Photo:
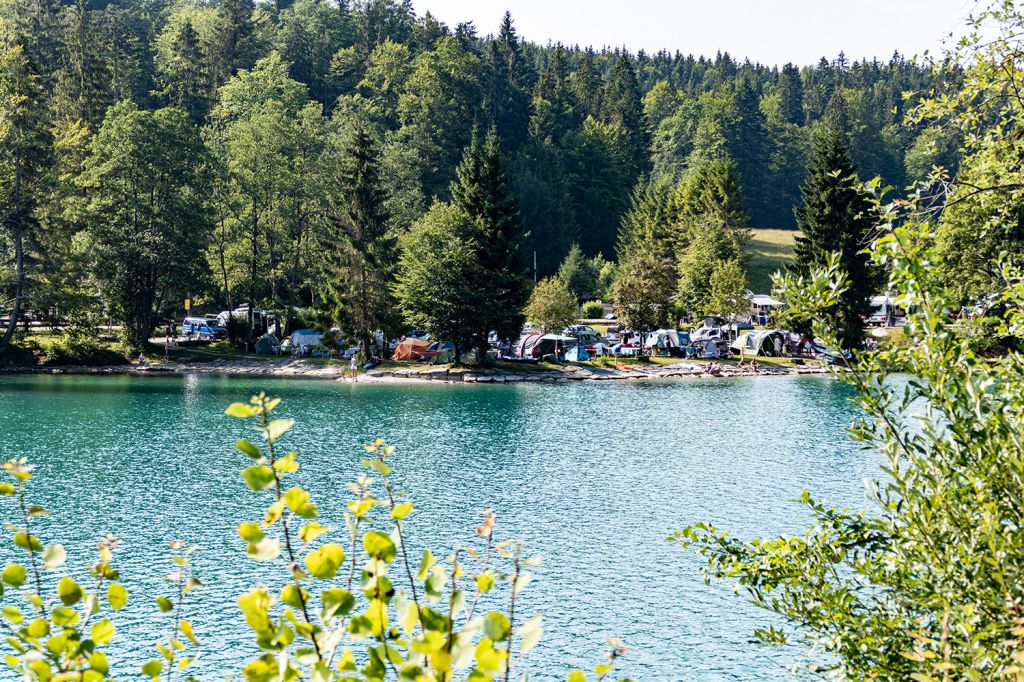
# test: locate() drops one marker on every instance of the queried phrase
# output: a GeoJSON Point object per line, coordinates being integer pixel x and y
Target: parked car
{"type": "Point", "coordinates": [203, 328]}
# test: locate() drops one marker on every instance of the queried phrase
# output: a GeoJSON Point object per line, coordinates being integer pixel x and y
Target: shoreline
{"type": "Point", "coordinates": [299, 369]}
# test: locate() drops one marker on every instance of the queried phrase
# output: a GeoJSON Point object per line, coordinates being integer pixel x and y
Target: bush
{"type": "Point", "coordinates": [78, 345]}
{"type": "Point", "coordinates": [925, 585]}
{"type": "Point", "coordinates": [593, 310]}
{"type": "Point", "coordinates": [412, 620]}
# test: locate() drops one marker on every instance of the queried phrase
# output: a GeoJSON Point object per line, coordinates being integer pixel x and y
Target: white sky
{"type": "Point", "coordinates": [769, 31]}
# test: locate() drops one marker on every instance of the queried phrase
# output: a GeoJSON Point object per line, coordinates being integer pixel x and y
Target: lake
{"type": "Point", "coordinates": [593, 476]}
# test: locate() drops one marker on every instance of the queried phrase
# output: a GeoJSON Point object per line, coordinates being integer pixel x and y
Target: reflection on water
{"type": "Point", "coordinates": [592, 476]}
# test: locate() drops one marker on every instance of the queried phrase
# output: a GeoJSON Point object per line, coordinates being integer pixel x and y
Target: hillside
{"type": "Point", "coordinates": [769, 250]}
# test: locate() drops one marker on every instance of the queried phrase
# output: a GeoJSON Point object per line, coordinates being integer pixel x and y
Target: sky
{"type": "Point", "coordinates": [767, 31]}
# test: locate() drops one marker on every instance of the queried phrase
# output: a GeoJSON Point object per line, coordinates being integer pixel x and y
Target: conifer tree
{"type": "Point", "coordinates": [791, 95]}
{"type": "Point", "coordinates": [235, 41]}
{"type": "Point", "coordinates": [24, 154]}
{"type": "Point", "coordinates": [184, 80]}
{"type": "Point", "coordinates": [749, 149]}
{"type": "Point", "coordinates": [836, 216]}
{"type": "Point", "coordinates": [82, 91]}
{"type": "Point", "coordinates": [587, 85]}
{"type": "Point", "coordinates": [579, 274]}
{"type": "Point", "coordinates": [508, 81]}
{"type": "Point", "coordinates": [482, 190]}
{"type": "Point", "coordinates": [623, 106]}
{"type": "Point", "coordinates": [359, 252]}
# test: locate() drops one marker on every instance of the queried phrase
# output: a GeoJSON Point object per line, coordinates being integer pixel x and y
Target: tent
{"type": "Point", "coordinates": [766, 342]}
{"type": "Point", "coordinates": [539, 345]}
{"type": "Point", "coordinates": [666, 338]}
{"type": "Point", "coordinates": [410, 349]}
{"type": "Point", "coordinates": [305, 338]}
{"type": "Point", "coordinates": [706, 348]}
{"type": "Point", "coordinates": [577, 354]}
{"type": "Point", "coordinates": [267, 345]}
{"type": "Point", "coordinates": [764, 301]}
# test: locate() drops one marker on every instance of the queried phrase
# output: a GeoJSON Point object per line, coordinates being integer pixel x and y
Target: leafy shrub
{"type": "Point", "coordinates": [238, 327]}
{"type": "Point", "coordinates": [925, 586]}
{"type": "Point", "coordinates": [77, 346]}
{"type": "Point", "coordinates": [593, 310]}
{"type": "Point", "coordinates": [414, 616]}
{"type": "Point", "coordinates": [984, 335]}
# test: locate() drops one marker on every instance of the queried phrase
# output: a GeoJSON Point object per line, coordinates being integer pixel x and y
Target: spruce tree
{"type": "Point", "coordinates": [587, 84]}
{"type": "Point", "coordinates": [791, 95]}
{"type": "Point", "coordinates": [749, 149]}
{"type": "Point", "coordinates": [358, 249]}
{"type": "Point", "coordinates": [482, 190]}
{"type": "Point", "coordinates": [836, 216]}
{"type": "Point", "coordinates": [24, 155]}
{"type": "Point", "coordinates": [183, 77]}
{"type": "Point", "coordinates": [623, 107]}
{"type": "Point", "coordinates": [235, 41]}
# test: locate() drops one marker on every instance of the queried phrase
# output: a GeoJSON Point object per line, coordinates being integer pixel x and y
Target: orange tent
{"type": "Point", "coordinates": [410, 349]}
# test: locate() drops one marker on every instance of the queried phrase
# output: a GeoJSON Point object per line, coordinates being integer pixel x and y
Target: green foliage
{"type": "Point", "coordinates": [711, 273]}
{"type": "Point", "coordinates": [836, 216]}
{"type": "Point", "coordinates": [923, 585]}
{"type": "Point", "coordinates": [593, 310]}
{"type": "Point", "coordinates": [147, 179]}
{"type": "Point", "coordinates": [552, 306]}
{"type": "Point", "coordinates": [402, 618]}
{"type": "Point", "coordinates": [440, 277]}
{"type": "Point", "coordinates": [579, 274]}
{"type": "Point", "coordinates": [641, 294]}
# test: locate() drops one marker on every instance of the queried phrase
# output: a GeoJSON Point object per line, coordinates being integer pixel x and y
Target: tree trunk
{"type": "Point", "coordinates": [19, 291]}
{"type": "Point", "coordinates": [19, 254]}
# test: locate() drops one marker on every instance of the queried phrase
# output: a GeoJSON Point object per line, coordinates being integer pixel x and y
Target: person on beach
{"type": "Point", "coordinates": [354, 365]}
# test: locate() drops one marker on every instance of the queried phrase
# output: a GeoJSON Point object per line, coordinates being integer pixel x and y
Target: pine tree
{"type": "Point", "coordinates": [749, 149]}
{"type": "Point", "coordinates": [579, 274]}
{"type": "Point", "coordinates": [235, 41]}
{"type": "Point", "coordinates": [24, 155]}
{"type": "Point", "coordinates": [183, 78]}
{"type": "Point", "coordinates": [82, 91]}
{"type": "Point", "coordinates": [791, 95]}
{"type": "Point", "coordinates": [508, 80]}
{"type": "Point", "coordinates": [482, 190]}
{"type": "Point", "coordinates": [587, 85]}
{"type": "Point", "coordinates": [623, 107]}
{"type": "Point", "coordinates": [836, 216]}
{"type": "Point", "coordinates": [359, 252]}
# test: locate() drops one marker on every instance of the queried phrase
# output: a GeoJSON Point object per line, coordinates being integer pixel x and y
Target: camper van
{"type": "Point", "coordinates": [203, 328]}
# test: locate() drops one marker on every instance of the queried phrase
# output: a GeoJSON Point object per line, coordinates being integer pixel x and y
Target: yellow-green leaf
{"type": "Point", "coordinates": [14, 575]}
{"type": "Point", "coordinates": [241, 410]}
{"type": "Point", "coordinates": [117, 596]}
{"type": "Point", "coordinates": [324, 561]}
{"type": "Point", "coordinates": [103, 632]}
{"type": "Point", "coordinates": [401, 510]}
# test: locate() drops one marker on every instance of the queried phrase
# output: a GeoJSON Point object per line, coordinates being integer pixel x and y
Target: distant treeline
{"type": "Point", "coordinates": [270, 94]}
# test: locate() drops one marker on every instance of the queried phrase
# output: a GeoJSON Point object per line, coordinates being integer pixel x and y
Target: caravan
{"type": "Point", "coordinates": [204, 328]}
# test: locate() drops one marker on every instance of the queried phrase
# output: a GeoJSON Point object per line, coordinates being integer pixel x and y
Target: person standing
{"type": "Point", "coordinates": [354, 365]}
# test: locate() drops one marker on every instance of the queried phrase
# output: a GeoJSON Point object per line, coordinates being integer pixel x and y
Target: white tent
{"type": "Point", "coordinates": [764, 301]}
{"type": "Point", "coordinates": [305, 338]}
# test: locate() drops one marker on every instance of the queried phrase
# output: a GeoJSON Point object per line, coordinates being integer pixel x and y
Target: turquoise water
{"type": "Point", "coordinates": [591, 475]}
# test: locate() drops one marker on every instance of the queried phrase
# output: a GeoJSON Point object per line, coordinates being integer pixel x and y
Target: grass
{"type": "Point", "coordinates": [769, 250]}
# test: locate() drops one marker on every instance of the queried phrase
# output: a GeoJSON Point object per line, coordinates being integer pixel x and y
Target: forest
{"type": "Point", "coordinates": [323, 155]}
